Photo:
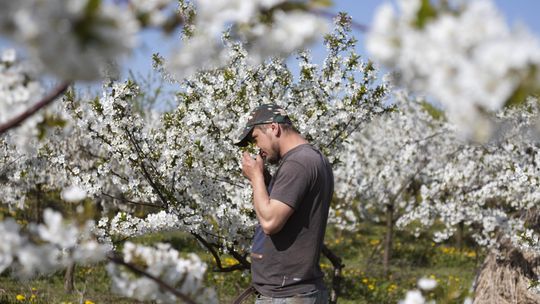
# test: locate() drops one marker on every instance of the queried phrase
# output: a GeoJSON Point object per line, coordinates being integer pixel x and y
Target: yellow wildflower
{"type": "Point", "coordinates": [229, 261]}
{"type": "Point", "coordinates": [88, 302]}
{"type": "Point", "coordinates": [20, 297]}
{"type": "Point", "coordinates": [374, 242]}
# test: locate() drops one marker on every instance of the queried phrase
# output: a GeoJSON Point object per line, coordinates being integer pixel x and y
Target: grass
{"type": "Point", "coordinates": [363, 279]}
{"type": "Point", "coordinates": [91, 283]}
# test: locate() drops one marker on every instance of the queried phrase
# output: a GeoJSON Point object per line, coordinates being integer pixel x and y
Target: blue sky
{"type": "Point", "coordinates": [525, 12]}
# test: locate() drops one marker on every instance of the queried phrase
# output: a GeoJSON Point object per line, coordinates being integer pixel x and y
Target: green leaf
{"type": "Point", "coordinates": [321, 3]}
{"type": "Point", "coordinates": [433, 111]}
{"type": "Point", "coordinates": [425, 13]}
{"type": "Point", "coordinates": [526, 88]}
{"type": "Point", "coordinates": [92, 6]}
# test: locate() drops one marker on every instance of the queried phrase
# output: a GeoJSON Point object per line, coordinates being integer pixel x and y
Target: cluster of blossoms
{"type": "Point", "coordinates": [25, 164]}
{"type": "Point", "coordinates": [18, 89]}
{"type": "Point", "coordinates": [59, 245]}
{"type": "Point", "coordinates": [465, 57]}
{"type": "Point", "coordinates": [71, 39]}
{"type": "Point", "coordinates": [55, 244]}
{"type": "Point", "coordinates": [270, 28]}
{"type": "Point", "coordinates": [184, 274]}
{"type": "Point", "coordinates": [124, 225]}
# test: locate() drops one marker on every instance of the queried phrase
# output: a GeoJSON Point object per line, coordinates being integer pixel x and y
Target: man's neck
{"type": "Point", "coordinates": [290, 142]}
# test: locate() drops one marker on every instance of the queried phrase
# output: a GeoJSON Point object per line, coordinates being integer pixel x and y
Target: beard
{"type": "Point", "coordinates": [273, 159]}
{"type": "Point", "coordinates": [272, 156]}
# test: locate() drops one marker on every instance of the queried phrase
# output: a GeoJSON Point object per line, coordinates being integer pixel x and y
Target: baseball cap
{"type": "Point", "coordinates": [263, 114]}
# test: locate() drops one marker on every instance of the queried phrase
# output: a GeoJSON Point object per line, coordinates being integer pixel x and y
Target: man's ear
{"type": "Point", "coordinates": [276, 129]}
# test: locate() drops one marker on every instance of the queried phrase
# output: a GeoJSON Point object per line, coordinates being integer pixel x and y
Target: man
{"type": "Point", "coordinates": [292, 209]}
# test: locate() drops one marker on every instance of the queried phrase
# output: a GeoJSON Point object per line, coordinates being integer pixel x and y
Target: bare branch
{"type": "Point", "coordinates": [55, 93]}
{"type": "Point", "coordinates": [243, 263]}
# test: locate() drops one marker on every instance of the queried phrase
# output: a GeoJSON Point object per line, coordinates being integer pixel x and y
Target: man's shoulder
{"type": "Point", "coordinates": [307, 156]}
{"type": "Point", "coordinates": [304, 151]}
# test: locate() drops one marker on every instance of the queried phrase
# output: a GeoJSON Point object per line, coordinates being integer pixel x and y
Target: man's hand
{"type": "Point", "coordinates": [252, 168]}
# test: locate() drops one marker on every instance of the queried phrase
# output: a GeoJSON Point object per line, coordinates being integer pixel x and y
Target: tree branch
{"type": "Point", "coordinates": [163, 285]}
{"type": "Point", "coordinates": [336, 275]}
{"type": "Point", "coordinates": [243, 264]}
{"type": "Point", "coordinates": [48, 99]}
{"type": "Point", "coordinates": [5, 167]}
{"type": "Point", "coordinates": [146, 174]}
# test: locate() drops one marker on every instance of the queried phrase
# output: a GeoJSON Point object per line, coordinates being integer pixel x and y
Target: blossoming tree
{"type": "Point", "coordinates": [186, 164]}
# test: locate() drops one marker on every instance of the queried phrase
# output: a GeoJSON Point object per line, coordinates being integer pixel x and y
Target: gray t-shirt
{"type": "Point", "coordinates": [287, 263]}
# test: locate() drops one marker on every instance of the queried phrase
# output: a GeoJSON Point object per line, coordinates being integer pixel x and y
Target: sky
{"type": "Point", "coordinates": [516, 12]}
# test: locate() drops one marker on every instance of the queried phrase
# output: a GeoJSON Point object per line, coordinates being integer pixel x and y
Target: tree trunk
{"type": "Point", "coordinates": [459, 236]}
{"type": "Point", "coordinates": [68, 278]}
{"type": "Point", "coordinates": [388, 238]}
{"type": "Point", "coordinates": [507, 277]}
{"type": "Point", "coordinates": [39, 215]}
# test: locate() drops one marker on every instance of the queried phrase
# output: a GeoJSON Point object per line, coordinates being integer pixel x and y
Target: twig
{"type": "Point", "coordinates": [146, 174]}
{"type": "Point", "coordinates": [6, 166]}
{"type": "Point", "coordinates": [358, 26]}
{"type": "Point", "coordinates": [14, 122]}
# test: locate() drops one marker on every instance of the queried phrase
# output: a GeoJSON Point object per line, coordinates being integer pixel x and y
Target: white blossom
{"type": "Point", "coordinates": [413, 297]}
{"type": "Point", "coordinates": [55, 232]}
{"type": "Point", "coordinates": [73, 193]}
{"type": "Point", "coordinates": [427, 284]}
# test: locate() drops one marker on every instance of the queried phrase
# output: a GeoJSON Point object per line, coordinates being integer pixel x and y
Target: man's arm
{"type": "Point", "coordinates": [272, 214]}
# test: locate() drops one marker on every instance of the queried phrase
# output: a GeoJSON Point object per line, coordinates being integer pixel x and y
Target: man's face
{"type": "Point", "coordinates": [266, 141]}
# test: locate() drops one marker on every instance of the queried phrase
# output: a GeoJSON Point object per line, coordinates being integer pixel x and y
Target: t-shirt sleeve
{"type": "Point", "coordinates": [291, 184]}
